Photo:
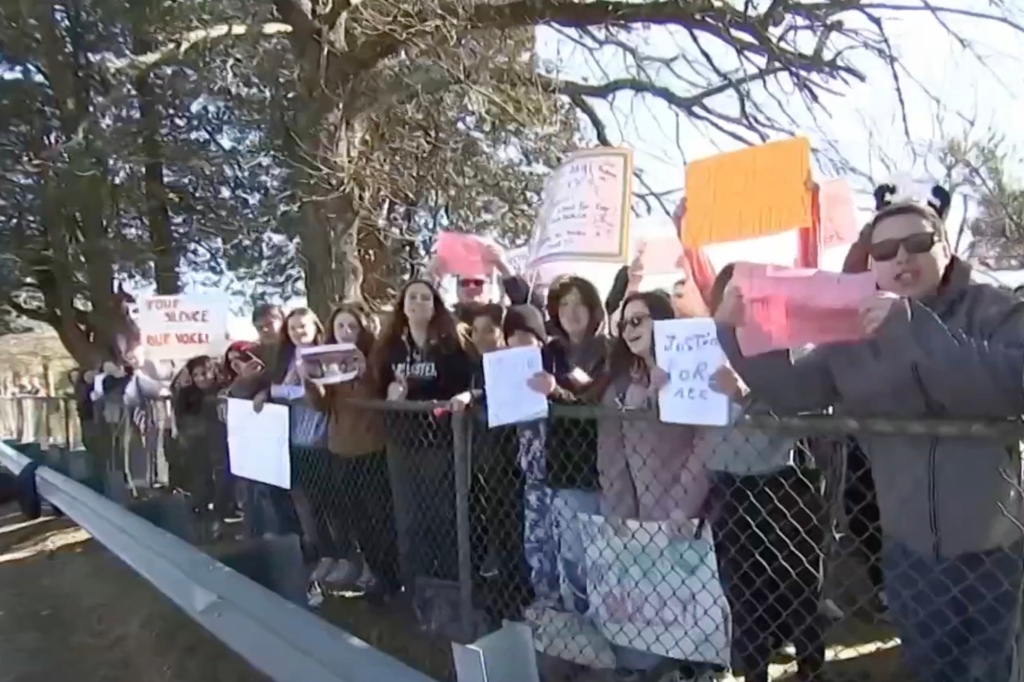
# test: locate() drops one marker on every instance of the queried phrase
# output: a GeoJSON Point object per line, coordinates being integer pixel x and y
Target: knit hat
{"type": "Point", "coordinates": [524, 318]}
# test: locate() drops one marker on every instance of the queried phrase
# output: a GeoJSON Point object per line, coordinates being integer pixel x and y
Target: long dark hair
{"type": "Point", "coordinates": [189, 399]}
{"type": "Point", "coordinates": [286, 349]}
{"type": "Point", "coordinates": [622, 362]}
{"type": "Point", "coordinates": [365, 338]}
{"type": "Point", "coordinates": [562, 287]}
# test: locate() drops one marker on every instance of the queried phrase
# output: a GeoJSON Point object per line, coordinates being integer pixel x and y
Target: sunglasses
{"type": "Point", "coordinates": [633, 322]}
{"type": "Point", "coordinates": [887, 249]}
{"type": "Point", "coordinates": [471, 282]}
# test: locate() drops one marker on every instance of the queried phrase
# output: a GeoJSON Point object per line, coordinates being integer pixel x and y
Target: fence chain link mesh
{"type": "Point", "coordinates": [628, 545]}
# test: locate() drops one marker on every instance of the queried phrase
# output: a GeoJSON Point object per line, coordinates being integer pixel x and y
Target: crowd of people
{"type": "Point", "coordinates": [373, 494]}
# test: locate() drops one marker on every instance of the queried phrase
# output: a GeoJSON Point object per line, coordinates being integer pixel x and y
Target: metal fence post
{"type": "Point", "coordinates": [461, 425]}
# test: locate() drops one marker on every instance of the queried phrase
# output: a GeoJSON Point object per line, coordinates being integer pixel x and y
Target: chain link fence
{"type": "Point", "coordinates": [645, 550]}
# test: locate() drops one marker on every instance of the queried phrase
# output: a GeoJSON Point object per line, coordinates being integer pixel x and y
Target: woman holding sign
{"type": "Point", "coordinates": [647, 468]}
{"type": "Point", "coordinates": [356, 492]}
{"type": "Point", "coordinates": [936, 344]}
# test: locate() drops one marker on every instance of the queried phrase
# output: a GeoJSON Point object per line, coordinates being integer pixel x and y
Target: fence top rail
{"type": "Point", "coordinates": [285, 642]}
{"type": "Point", "coordinates": [797, 425]}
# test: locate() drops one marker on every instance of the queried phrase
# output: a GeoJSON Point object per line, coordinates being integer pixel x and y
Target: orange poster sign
{"type": "Point", "coordinates": [750, 193]}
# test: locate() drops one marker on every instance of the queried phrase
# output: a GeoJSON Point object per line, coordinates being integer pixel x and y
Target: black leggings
{"type": "Point", "coordinates": [862, 513]}
{"type": "Point", "coordinates": [318, 476]}
{"type": "Point", "coordinates": [769, 534]}
{"type": "Point", "coordinates": [364, 487]}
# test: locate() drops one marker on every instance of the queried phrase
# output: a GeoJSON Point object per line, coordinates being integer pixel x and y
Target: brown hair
{"type": "Point", "coordinates": [621, 360]}
{"type": "Point", "coordinates": [441, 330]}
{"type": "Point", "coordinates": [286, 349]}
{"type": "Point", "coordinates": [562, 287]}
{"type": "Point", "coordinates": [365, 338]}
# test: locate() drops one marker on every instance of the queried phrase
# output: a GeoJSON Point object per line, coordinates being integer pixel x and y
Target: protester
{"type": "Point", "coordinates": [648, 469]}
{"type": "Point", "coordinates": [936, 344]}
{"type": "Point", "coordinates": [767, 516]}
{"type": "Point", "coordinates": [262, 503]}
{"type": "Point", "coordinates": [202, 438]}
{"type": "Point", "coordinates": [420, 357]}
{"type": "Point", "coordinates": [283, 385]}
{"type": "Point", "coordinates": [497, 489]}
{"type": "Point", "coordinates": [354, 492]}
{"type": "Point", "coordinates": [523, 326]}
{"type": "Point", "coordinates": [471, 290]}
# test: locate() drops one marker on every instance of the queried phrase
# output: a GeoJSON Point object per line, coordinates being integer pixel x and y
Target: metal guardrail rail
{"type": "Point", "coordinates": [285, 642]}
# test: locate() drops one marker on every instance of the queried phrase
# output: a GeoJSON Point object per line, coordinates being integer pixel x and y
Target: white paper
{"type": "Point", "coordinates": [258, 443]}
{"type": "Point", "coordinates": [287, 392]}
{"type": "Point", "coordinates": [688, 351]}
{"type": "Point", "coordinates": [585, 210]}
{"type": "Point", "coordinates": [509, 399]}
{"type": "Point", "coordinates": [330, 364]}
{"type": "Point", "coordinates": [184, 325]}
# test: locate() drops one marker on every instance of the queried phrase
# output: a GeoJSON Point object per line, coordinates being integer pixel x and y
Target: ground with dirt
{"type": "Point", "coordinates": [69, 610]}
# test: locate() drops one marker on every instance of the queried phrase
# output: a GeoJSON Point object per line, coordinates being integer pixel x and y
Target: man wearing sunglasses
{"type": "Point", "coordinates": [938, 344]}
{"type": "Point", "coordinates": [472, 290]}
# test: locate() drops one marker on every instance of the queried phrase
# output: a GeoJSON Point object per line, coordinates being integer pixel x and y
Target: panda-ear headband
{"type": "Point", "coordinates": [939, 199]}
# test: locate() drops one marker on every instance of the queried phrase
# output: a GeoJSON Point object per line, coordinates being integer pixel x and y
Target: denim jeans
{"type": "Point", "coordinates": [268, 509]}
{"type": "Point", "coordinates": [956, 617]}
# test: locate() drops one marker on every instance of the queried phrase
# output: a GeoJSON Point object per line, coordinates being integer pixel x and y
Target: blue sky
{"type": "Point", "coordinates": [946, 84]}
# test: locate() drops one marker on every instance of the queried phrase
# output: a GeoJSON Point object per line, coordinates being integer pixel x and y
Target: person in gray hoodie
{"type": "Point", "coordinates": [936, 345]}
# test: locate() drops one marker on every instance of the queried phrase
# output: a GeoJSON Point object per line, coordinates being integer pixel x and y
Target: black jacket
{"type": "Point", "coordinates": [571, 443]}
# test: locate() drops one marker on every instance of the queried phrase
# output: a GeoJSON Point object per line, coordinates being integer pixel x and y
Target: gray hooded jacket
{"type": "Point", "coordinates": [958, 355]}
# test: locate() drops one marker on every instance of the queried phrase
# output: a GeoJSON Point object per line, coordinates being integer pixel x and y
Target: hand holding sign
{"type": "Point", "coordinates": [875, 309]}
{"type": "Point", "coordinates": [332, 364]}
{"type": "Point", "coordinates": [687, 351]}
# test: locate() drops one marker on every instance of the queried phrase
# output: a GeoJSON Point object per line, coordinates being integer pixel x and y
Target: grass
{"type": "Point", "coordinates": [72, 611]}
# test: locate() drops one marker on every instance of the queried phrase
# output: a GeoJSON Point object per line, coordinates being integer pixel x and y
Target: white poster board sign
{"type": "Point", "coordinates": [183, 326]}
{"type": "Point", "coordinates": [586, 207]}
{"type": "Point", "coordinates": [509, 399]}
{"type": "Point", "coordinates": [258, 443]}
{"type": "Point", "coordinates": [688, 351]}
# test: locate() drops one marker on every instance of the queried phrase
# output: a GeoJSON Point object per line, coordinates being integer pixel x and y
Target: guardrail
{"type": "Point", "coordinates": [282, 640]}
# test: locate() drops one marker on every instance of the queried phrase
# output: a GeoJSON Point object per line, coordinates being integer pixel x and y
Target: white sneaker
{"type": "Point", "coordinates": [828, 608]}
{"type": "Point", "coordinates": [342, 572]}
{"type": "Point", "coordinates": [314, 595]}
{"type": "Point", "coordinates": [322, 570]}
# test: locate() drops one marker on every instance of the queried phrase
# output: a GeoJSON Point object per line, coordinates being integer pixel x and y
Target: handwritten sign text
{"type": "Point", "coordinates": [183, 326]}
{"type": "Point", "coordinates": [688, 351]}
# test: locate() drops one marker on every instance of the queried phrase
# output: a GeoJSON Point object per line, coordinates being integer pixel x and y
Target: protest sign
{"type": "Point", "coordinates": [789, 308]}
{"type": "Point", "coordinates": [463, 254]}
{"type": "Point", "coordinates": [509, 399]}
{"type": "Point", "coordinates": [688, 351]}
{"type": "Point", "coordinates": [837, 221]}
{"type": "Point", "coordinates": [751, 193]}
{"type": "Point", "coordinates": [655, 589]}
{"type": "Point", "coordinates": [258, 443]}
{"type": "Point", "coordinates": [331, 364]}
{"type": "Point", "coordinates": [585, 212]}
{"type": "Point", "coordinates": [183, 326]}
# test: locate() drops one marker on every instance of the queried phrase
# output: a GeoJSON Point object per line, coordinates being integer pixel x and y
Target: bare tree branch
{"type": "Point", "coordinates": [180, 46]}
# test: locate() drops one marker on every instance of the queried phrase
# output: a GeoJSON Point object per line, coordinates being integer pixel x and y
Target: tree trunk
{"type": "Point", "coordinates": [165, 249]}
{"type": "Point", "coordinates": [327, 237]}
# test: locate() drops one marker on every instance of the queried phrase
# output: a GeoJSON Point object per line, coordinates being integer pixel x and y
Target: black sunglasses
{"type": "Point", "coordinates": [887, 249]}
{"type": "Point", "coordinates": [633, 322]}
